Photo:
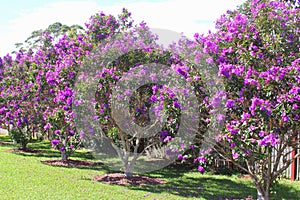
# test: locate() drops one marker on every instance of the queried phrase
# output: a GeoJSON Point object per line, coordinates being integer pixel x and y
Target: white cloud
{"type": "Point", "coordinates": [182, 16]}
{"type": "Point", "coordinates": [69, 13]}
{"type": "Point", "coordinates": [188, 16]}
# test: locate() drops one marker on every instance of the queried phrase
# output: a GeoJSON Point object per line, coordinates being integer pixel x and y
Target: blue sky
{"type": "Point", "coordinates": [18, 18]}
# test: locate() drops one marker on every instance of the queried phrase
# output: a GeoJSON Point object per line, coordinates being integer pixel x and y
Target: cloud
{"type": "Point", "coordinates": [66, 12]}
{"type": "Point", "coordinates": [182, 16]}
{"type": "Point", "coordinates": [188, 16]}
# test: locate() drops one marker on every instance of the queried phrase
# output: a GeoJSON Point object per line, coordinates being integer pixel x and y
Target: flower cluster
{"type": "Point", "coordinates": [37, 86]}
{"type": "Point", "coordinates": [256, 49]}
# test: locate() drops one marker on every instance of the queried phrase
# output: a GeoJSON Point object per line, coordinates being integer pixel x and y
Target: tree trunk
{"type": "Point", "coordinates": [128, 172]}
{"type": "Point", "coordinates": [129, 166]}
{"type": "Point", "coordinates": [263, 195]}
{"type": "Point", "coordinates": [24, 146]}
{"type": "Point", "coordinates": [64, 155]}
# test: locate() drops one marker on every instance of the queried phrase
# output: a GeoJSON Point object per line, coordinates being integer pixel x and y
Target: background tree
{"type": "Point", "coordinates": [55, 30]}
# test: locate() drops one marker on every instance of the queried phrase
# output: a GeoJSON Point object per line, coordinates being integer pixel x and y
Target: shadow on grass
{"type": "Point", "coordinates": [211, 187]}
{"type": "Point", "coordinates": [97, 166]}
{"type": "Point", "coordinates": [50, 154]}
{"type": "Point", "coordinates": [207, 187]}
{"type": "Point", "coordinates": [47, 151]}
{"type": "Point", "coordinates": [283, 191]}
{"type": "Point", "coordinates": [5, 140]}
{"type": "Point", "coordinates": [43, 149]}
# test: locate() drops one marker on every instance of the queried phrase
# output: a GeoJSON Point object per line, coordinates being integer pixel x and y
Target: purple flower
{"type": "Point", "coordinates": [231, 129]}
{"type": "Point", "coordinates": [153, 98]}
{"type": "Point", "coordinates": [270, 139]}
{"type": "Point", "coordinates": [201, 169]}
{"type": "Point", "coordinates": [163, 134]}
{"type": "Point", "coordinates": [201, 159]}
{"type": "Point", "coordinates": [62, 148]}
{"type": "Point", "coordinates": [168, 138]}
{"type": "Point", "coordinates": [180, 156]}
{"type": "Point", "coordinates": [284, 117]}
{"type": "Point", "coordinates": [91, 130]}
{"type": "Point", "coordinates": [235, 155]}
{"type": "Point", "coordinates": [220, 118]}
{"type": "Point", "coordinates": [295, 106]}
{"type": "Point", "coordinates": [176, 104]}
{"type": "Point", "coordinates": [210, 60]}
{"type": "Point", "coordinates": [182, 146]}
{"type": "Point", "coordinates": [182, 70]}
{"type": "Point", "coordinates": [219, 138]}
{"type": "Point", "coordinates": [232, 144]}
{"type": "Point", "coordinates": [47, 126]}
{"type": "Point", "coordinates": [230, 103]}
{"type": "Point", "coordinates": [137, 110]}
{"type": "Point", "coordinates": [81, 134]}
{"type": "Point", "coordinates": [127, 92]}
{"type": "Point", "coordinates": [168, 152]}
{"type": "Point", "coordinates": [55, 142]}
{"type": "Point", "coordinates": [247, 152]}
{"type": "Point", "coordinates": [57, 132]}
{"type": "Point", "coordinates": [245, 116]}
{"type": "Point", "coordinates": [279, 59]}
{"type": "Point", "coordinates": [252, 128]}
{"type": "Point", "coordinates": [71, 75]}
{"type": "Point", "coordinates": [261, 133]}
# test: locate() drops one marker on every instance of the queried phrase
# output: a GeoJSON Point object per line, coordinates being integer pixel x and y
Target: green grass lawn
{"type": "Point", "coordinates": [23, 176]}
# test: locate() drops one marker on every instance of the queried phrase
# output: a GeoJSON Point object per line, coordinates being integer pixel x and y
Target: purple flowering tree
{"type": "Point", "coordinates": [38, 85]}
{"type": "Point", "coordinates": [18, 91]}
{"type": "Point", "coordinates": [135, 46]}
{"type": "Point", "coordinates": [256, 49]}
{"type": "Point", "coordinates": [131, 135]}
{"type": "Point", "coordinates": [61, 58]}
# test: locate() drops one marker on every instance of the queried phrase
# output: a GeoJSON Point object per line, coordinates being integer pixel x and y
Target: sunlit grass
{"type": "Point", "coordinates": [23, 176]}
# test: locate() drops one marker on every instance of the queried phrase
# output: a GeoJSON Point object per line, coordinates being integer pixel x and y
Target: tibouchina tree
{"type": "Point", "coordinates": [37, 86]}
{"type": "Point", "coordinates": [58, 79]}
{"type": "Point", "coordinates": [118, 64]}
{"type": "Point", "coordinates": [256, 49]}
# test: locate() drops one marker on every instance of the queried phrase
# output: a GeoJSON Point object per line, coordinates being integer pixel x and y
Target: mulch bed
{"type": "Point", "coordinates": [121, 179]}
{"type": "Point", "coordinates": [29, 150]}
{"type": "Point", "coordinates": [116, 178]}
{"type": "Point", "coordinates": [71, 163]}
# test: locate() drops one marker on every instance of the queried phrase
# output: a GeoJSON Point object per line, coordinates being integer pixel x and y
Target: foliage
{"type": "Point", "coordinates": [37, 86]}
{"type": "Point", "coordinates": [20, 138]}
{"type": "Point", "coordinates": [256, 49]}
{"type": "Point", "coordinates": [55, 30]}
{"type": "Point", "coordinates": [130, 53]}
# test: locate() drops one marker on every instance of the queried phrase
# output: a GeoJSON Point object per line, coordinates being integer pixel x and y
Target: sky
{"type": "Point", "coordinates": [18, 18]}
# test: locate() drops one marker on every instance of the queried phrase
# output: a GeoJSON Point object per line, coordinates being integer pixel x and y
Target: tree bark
{"type": "Point", "coordinates": [128, 171]}
{"type": "Point", "coordinates": [24, 146]}
{"type": "Point", "coordinates": [260, 195]}
{"type": "Point", "coordinates": [263, 193]}
{"type": "Point", "coordinates": [64, 155]}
